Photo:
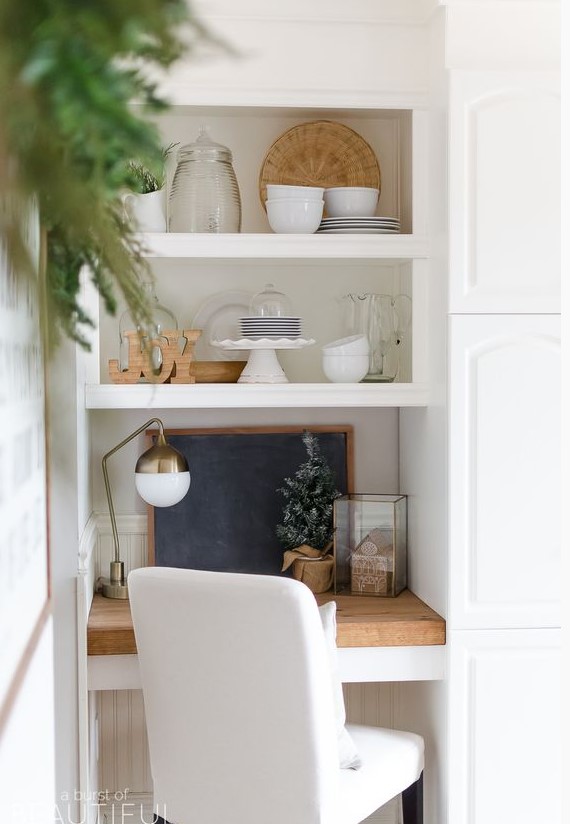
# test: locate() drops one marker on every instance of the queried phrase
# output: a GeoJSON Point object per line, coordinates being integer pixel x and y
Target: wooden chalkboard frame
{"type": "Point", "coordinates": [346, 430]}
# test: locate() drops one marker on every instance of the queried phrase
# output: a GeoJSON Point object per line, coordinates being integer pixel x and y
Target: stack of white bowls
{"type": "Point", "coordinates": [294, 209]}
{"type": "Point", "coordinates": [351, 201]}
{"type": "Point", "coordinates": [256, 327]}
{"type": "Point", "coordinates": [346, 360]}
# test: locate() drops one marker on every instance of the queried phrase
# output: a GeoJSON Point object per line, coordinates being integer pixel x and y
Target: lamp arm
{"type": "Point", "coordinates": [106, 476]}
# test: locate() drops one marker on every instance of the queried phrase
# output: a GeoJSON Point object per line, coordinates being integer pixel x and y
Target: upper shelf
{"type": "Point", "coordinates": [236, 396]}
{"type": "Point", "coordinates": [271, 246]}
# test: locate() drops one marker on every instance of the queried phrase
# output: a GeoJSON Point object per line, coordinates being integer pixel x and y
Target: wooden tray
{"type": "Point", "coordinates": [321, 153]}
{"type": "Point", "coordinates": [217, 371]}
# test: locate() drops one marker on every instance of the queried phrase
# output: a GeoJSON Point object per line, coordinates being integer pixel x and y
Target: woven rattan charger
{"type": "Point", "coordinates": [321, 153]}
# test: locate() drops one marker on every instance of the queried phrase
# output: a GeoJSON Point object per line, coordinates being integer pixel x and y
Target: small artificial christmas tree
{"type": "Point", "coordinates": [309, 495]}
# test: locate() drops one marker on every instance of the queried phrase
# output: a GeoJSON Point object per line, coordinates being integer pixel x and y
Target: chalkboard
{"type": "Point", "coordinates": [227, 520]}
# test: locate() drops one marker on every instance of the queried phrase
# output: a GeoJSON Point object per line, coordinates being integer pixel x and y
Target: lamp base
{"type": "Point", "coordinates": [109, 589]}
{"type": "Point", "coordinates": [116, 585]}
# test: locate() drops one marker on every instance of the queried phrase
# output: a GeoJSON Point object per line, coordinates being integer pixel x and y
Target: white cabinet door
{"type": "Point", "coordinates": [504, 196]}
{"type": "Point", "coordinates": [503, 727]}
{"type": "Point", "coordinates": [504, 471]}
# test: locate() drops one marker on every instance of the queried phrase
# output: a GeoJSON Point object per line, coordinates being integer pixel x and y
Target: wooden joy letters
{"type": "Point", "coordinates": [174, 365]}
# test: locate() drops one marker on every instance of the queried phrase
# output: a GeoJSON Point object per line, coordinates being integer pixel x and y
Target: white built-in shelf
{"type": "Point", "coordinates": [316, 246]}
{"type": "Point", "coordinates": [236, 396]}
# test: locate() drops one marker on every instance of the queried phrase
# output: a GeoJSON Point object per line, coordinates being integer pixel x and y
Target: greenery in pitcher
{"type": "Point", "coordinates": [69, 73]}
{"type": "Point", "coordinates": [145, 180]}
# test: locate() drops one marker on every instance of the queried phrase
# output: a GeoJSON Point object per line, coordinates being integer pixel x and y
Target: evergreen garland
{"type": "Point", "coordinates": [70, 71]}
{"type": "Point", "coordinates": [309, 496]}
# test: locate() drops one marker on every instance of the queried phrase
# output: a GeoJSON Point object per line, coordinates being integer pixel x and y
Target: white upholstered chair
{"type": "Point", "coordinates": [240, 710]}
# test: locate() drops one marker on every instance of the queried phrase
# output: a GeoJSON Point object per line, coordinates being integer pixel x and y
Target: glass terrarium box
{"type": "Point", "coordinates": [370, 544]}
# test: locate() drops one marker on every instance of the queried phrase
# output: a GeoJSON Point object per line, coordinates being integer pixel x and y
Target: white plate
{"type": "Point", "coordinates": [277, 318]}
{"type": "Point", "coordinates": [258, 329]}
{"type": "Point", "coordinates": [218, 317]}
{"type": "Point", "coordinates": [360, 225]}
{"type": "Point", "coordinates": [277, 326]}
{"type": "Point", "coordinates": [272, 329]}
{"type": "Point", "coordinates": [358, 231]}
{"type": "Point", "coordinates": [340, 224]}
{"type": "Point", "coordinates": [353, 218]}
{"type": "Point", "coordinates": [372, 221]}
{"type": "Point", "coordinates": [271, 323]}
{"type": "Point", "coordinates": [275, 336]}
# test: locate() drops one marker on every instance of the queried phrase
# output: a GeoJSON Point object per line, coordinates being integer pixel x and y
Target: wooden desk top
{"type": "Point", "coordinates": [362, 621]}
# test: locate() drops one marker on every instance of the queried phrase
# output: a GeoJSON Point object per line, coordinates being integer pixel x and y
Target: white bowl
{"type": "Point", "coordinates": [353, 345]}
{"type": "Point", "coordinates": [345, 368]}
{"type": "Point", "coordinates": [351, 201]}
{"type": "Point", "coordinates": [297, 215]}
{"type": "Point", "coordinates": [309, 192]}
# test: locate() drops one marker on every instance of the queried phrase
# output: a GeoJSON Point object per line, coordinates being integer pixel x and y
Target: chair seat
{"type": "Point", "coordinates": [391, 759]}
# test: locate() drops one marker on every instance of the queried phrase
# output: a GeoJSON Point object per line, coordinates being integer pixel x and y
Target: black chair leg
{"type": "Point", "coordinates": [413, 802]}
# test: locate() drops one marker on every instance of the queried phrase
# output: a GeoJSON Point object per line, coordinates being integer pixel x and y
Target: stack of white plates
{"type": "Point", "coordinates": [256, 327]}
{"type": "Point", "coordinates": [360, 225]}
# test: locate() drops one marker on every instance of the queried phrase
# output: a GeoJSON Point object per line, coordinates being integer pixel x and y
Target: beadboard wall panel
{"type": "Point", "coordinates": [123, 744]}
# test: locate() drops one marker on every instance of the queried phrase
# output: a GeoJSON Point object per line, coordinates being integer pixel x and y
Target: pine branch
{"type": "Point", "coordinates": [309, 496]}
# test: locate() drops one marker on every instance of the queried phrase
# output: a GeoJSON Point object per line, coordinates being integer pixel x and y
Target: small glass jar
{"type": "Point", "coordinates": [270, 303]}
{"type": "Point", "coordinates": [370, 544]}
{"type": "Point", "coordinates": [162, 320]}
{"type": "Point", "coordinates": [204, 196]}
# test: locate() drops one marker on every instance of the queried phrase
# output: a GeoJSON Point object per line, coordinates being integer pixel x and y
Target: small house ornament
{"type": "Point", "coordinates": [371, 566]}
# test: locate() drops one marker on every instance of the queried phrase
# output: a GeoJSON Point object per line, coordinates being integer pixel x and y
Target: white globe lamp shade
{"type": "Point", "coordinates": [162, 488]}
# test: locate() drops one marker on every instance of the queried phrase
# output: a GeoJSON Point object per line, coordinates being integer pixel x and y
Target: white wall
{"type": "Point", "coordinates": [27, 744]}
{"type": "Point", "coordinates": [26, 630]}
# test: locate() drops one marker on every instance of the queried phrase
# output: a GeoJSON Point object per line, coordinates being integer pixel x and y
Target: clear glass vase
{"type": "Point", "coordinates": [385, 321]}
{"type": "Point", "coordinates": [204, 196]}
{"type": "Point", "coordinates": [372, 315]}
{"type": "Point", "coordinates": [162, 320]}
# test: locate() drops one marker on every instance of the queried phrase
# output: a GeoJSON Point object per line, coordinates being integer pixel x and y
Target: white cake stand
{"type": "Point", "coordinates": [262, 365]}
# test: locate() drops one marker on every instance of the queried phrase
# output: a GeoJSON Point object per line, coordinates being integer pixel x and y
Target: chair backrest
{"type": "Point", "coordinates": [237, 695]}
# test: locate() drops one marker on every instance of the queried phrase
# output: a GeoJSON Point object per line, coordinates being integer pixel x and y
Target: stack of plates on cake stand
{"type": "Point", "coordinates": [360, 225]}
{"type": "Point", "coordinates": [257, 327]}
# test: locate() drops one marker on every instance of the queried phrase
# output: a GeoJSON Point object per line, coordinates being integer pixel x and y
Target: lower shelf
{"type": "Point", "coordinates": [228, 396]}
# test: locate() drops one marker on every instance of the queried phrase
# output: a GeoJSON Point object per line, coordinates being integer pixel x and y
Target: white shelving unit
{"type": "Point", "coordinates": [292, 247]}
{"type": "Point", "coordinates": [335, 264]}
{"type": "Point", "coordinates": [243, 396]}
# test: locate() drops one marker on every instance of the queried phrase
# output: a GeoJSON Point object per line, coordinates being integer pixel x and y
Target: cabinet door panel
{"type": "Point", "coordinates": [504, 471]}
{"type": "Point", "coordinates": [504, 723]}
{"type": "Point", "coordinates": [504, 192]}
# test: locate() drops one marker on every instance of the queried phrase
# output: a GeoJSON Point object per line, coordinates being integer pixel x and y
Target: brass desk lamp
{"type": "Point", "coordinates": [162, 478]}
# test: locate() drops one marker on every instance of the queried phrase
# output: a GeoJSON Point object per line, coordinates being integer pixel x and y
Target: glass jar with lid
{"type": "Point", "coordinates": [162, 320]}
{"type": "Point", "coordinates": [204, 196]}
{"type": "Point", "coordinates": [270, 303]}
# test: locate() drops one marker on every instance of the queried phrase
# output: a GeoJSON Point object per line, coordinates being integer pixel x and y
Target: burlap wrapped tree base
{"type": "Point", "coordinates": [311, 566]}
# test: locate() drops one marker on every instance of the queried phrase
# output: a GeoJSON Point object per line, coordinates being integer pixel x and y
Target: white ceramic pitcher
{"type": "Point", "coordinates": [147, 211]}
